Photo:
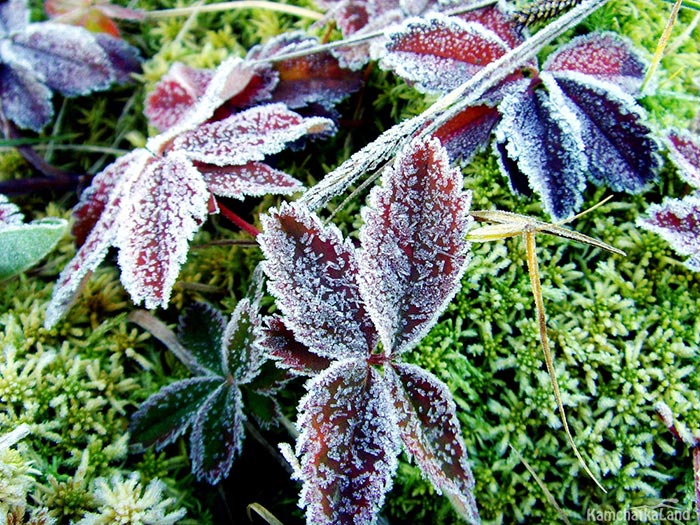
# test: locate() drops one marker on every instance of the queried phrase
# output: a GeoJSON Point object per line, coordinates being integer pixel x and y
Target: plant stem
{"type": "Point", "coordinates": [237, 220]}
{"type": "Point", "coordinates": [241, 4]}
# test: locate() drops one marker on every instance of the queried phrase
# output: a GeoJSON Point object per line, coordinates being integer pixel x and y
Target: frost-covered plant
{"type": "Point", "coordinates": [678, 220]}
{"type": "Point", "coordinates": [360, 310]}
{"type": "Point", "coordinates": [125, 502]}
{"type": "Point", "coordinates": [39, 58]}
{"type": "Point", "coordinates": [573, 118]}
{"type": "Point", "coordinates": [15, 478]}
{"type": "Point", "coordinates": [93, 15]}
{"type": "Point", "coordinates": [223, 357]}
{"type": "Point", "coordinates": [150, 202]}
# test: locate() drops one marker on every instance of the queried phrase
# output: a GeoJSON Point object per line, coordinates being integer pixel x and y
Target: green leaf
{"type": "Point", "coordinates": [24, 245]}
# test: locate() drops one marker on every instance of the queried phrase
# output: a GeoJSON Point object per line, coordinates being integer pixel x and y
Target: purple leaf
{"type": "Point", "coordinates": [468, 132]}
{"type": "Point", "coordinates": [165, 416]}
{"type": "Point", "coordinates": [312, 273]}
{"type": "Point", "coordinates": [684, 150]}
{"type": "Point", "coordinates": [431, 433]}
{"type": "Point", "coordinates": [438, 53]}
{"type": "Point", "coordinates": [603, 56]}
{"type": "Point", "coordinates": [620, 148]}
{"type": "Point", "coordinates": [678, 222]}
{"type": "Point", "coordinates": [414, 248]}
{"type": "Point", "coordinates": [201, 331]}
{"type": "Point", "coordinates": [124, 58]}
{"type": "Point", "coordinates": [167, 204]}
{"type": "Point", "coordinates": [281, 345]}
{"type": "Point", "coordinates": [253, 179]}
{"type": "Point", "coordinates": [217, 434]}
{"type": "Point", "coordinates": [14, 16]}
{"type": "Point", "coordinates": [348, 445]}
{"type": "Point", "coordinates": [68, 58]}
{"type": "Point", "coordinates": [542, 136]}
{"type": "Point", "coordinates": [25, 100]}
{"type": "Point", "coordinates": [249, 135]}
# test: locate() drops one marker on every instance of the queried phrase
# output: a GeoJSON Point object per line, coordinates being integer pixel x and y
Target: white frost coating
{"type": "Point", "coordinates": [9, 213]}
{"type": "Point", "coordinates": [414, 248]}
{"type": "Point", "coordinates": [248, 135]}
{"type": "Point", "coordinates": [25, 99]}
{"type": "Point", "coordinates": [166, 205]}
{"type": "Point", "coordinates": [252, 179]}
{"type": "Point", "coordinates": [348, 444]}
{"type": "Point", "coordinates": [431, 432]}
{"type": "Point", "coordinates": [439, 53]}
{"type": "Point", "coordinates": [545, 141]}
{"type": "Point", "coordinates": [68, 58]}
{"type": "Point", "coordinates": [678, 222]}
{"type": "Point", "coordinates": [684, 150]}
{"type": "Point", "coordinates": [312, 273]}
{"type": "Point", "coordinates": [242, 362]}
{"type": "Point", "coordinates": [606, 57]}
{"type": "Point", "coordinates": [93, 251]}
{"type": "Point", "coordinates": [620, 149]}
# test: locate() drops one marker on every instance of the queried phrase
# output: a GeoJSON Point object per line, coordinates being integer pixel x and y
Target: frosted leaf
{"type": "Point", "coordinates": [621, 150]}
{"type": "Point", "coordinates": [217, 434]}
{"type": "Point", "coordinates": [166, 206]}
{"type": "Point", "coordinates": [498, 21]}
{"type": "Point", "coordinates": [684, 150]}
{"type": "Point", "coordinates": [312, 274]}
{"type": "Point", "coordinates": [348, 445]}
{"type": "Point", "coordinates": [677, 221]}
{"type": "Point", "coordinates": [201, 331]}
{"type": "Point", "coordinates": [9, 213]}
{"type": "Point", "coordinates": [315, 78]}
{"type": "Point", "coordinates": [414, 248]}
{"type": "Point", "coordinates": [242, 356]}
{"type": "Point", "coordinates": [543, 137]}
{"type": "Point", "coordinates": [279, 343]}
{"type": "Point", "coordinates": [25, 100]}
{"type": "Point", "coordinates": [604, 56]}
{"type": "Point", "coordinates": [167, 414]}
{"type": "Point", "coordinates": [468, 132]}
{"type": "Point", "coordinates": [439, 53]}
{"type": "Point", "coordinates": [431, 433]}
{"type": "Point", "coordinates": [14, 16]}
{"type": "Point", "coordinates": [253, 179]}
{"type": "Point", "coordinates": [67, 58]}
{"type": "Point", "coordinates": [95, 198]}
{"type": "Point", "coordinates": [24, 245]}
{"type": "Point", "coordinates": [101, 237]}
{"type": "Point", "coordinates": [123, 58]}
{"type": "Point", "coordinates": [249, 135]}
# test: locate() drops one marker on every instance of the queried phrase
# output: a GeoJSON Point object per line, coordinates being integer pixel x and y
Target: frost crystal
{"type": "Point", "coordinates": [412, 256]}
{"type": "Point", "coordinates": [684, 149]}
{"type": "Point", "coordinates": [125, 502]}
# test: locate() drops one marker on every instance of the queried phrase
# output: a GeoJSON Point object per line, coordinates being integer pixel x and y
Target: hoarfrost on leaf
{"type": "Point", "coordinates": [414, 248]}
{"type": "Point", "coordinates": [348, 444]}
{"type": "Point", "coordinates": [312, 272]}
{"type": "Point", "coordinates": [250, 179]}
{"type": "Point", "coordinates": [684, 149]}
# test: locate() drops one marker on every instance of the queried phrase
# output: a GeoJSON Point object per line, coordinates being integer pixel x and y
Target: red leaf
{"type": "Point", "coordinates": [313, 275]}
{"type": "Point", "coordinates": [678, 222]}
{"type": "Point", "coordinates": [414, 248]}
{"type": "Point", "coordinates": [348, 445]}
{"type": "Point", "coordinates": [167, 204]}
{"type": "Point", "coordinates": [281, 345]}
{"type": "Point", "coordinates": [604, 56]}
{"type": "Point", "coordinates": [249, 135]}
{"type": "Point", "coordinates": [431, 433]}
{"type": "Point", "coordinates": [468, 132]}
{"type": "Point", "coordinates": [685, 152]}
{"type": "Point", "coordinates": [254, 179]}
{"type": "Point", "coordinates": [438, 53]}
{"type": "Point", "coordinates": [499, 22]}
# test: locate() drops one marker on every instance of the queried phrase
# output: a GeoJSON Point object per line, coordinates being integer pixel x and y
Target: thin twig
{"type": "Point", "coordinates": [241, 4]}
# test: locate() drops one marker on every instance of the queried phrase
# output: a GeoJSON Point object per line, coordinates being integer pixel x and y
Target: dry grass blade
{"type": "Point", "coordinates": [661, 46]}
{"type": "Point", "coordinates": [263, 513]}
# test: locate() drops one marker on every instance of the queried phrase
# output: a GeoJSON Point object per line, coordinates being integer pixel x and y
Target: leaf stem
{"type": "Point", "coordinates": [237, 220]}
{"type": "Point", "coordinates": [301, 12]}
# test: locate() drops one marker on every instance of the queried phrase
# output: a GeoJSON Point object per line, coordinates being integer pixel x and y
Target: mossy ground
{"type": "Point", "coordinates": [625, 331]}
